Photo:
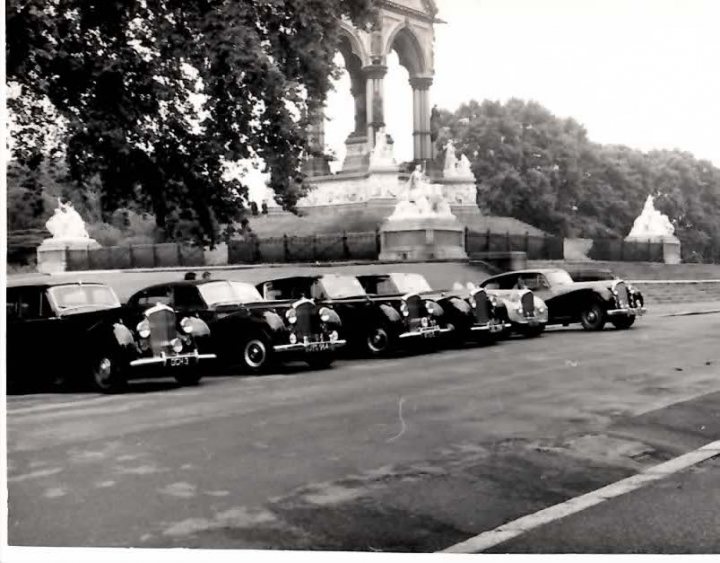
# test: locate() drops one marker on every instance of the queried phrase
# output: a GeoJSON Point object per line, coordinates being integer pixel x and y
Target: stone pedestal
{"type": "Point", "coordinates": [422, 238]}
{"type": "Point", "coordinates": [52, 253]}
{"type": "Point", "coordinates": [671, 252]}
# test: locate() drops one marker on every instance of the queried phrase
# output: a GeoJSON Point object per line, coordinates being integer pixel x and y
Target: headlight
{"type": "Point", "coordinates": [186, 325]}
{"type": "Point", "coordinates": [324, 314]}
{"type": "Point", "coordinates": [334, 336]}
{"type": "Point", "coordinates": [291, 316]}
{"type": "Point", "coordinates": [177, 345]}
{"type": "Point", "coordinates": [143, 328]}
{"type": "Point", "coordinates": [404, 309]}
{"type": "Point", "coordinates": [430, 307]}
{"type": "Point", "coordinates": [519, 310]}
{"type": "Point", "coordinates": [494, 301]}
{"type": "Point", "coordinates": [424, 322]}
{"type": "Point", "coordinates": [541, 309]}
{"type": "Point", "coordinates": [293, 338]}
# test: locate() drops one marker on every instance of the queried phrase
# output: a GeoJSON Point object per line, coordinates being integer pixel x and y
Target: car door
{"type": "Point", "coordinates": [37, 338]}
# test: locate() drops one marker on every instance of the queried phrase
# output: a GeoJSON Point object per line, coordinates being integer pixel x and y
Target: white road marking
{"type": "Point", "coordinates": [516, 528]}
{"type": "Point", "coordinates": [33, 475]}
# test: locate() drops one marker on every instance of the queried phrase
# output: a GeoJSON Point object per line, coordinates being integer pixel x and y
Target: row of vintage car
{"type": "Point", "coordinates": [70, 332]}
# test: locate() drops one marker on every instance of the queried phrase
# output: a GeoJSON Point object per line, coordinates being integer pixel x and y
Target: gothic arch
{"type": "Point", "coordinates": [409, 48]}
{"type": "Point", "coordinates": [352, 45]}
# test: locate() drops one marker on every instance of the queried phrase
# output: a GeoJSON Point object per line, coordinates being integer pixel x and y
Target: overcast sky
{"type": "Point", "coordinates": [643, 73]}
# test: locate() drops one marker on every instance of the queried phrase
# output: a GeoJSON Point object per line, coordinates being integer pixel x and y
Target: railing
{"type": "Point", "coordinates": [536, 247]}
{"type": "Point", "coordinates": [313, 248]}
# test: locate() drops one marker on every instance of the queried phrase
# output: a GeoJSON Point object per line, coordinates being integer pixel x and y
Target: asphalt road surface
{"type": "Point", "coordinates": [407, 454]}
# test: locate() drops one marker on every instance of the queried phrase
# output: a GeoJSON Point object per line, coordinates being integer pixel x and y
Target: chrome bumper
{"type": "Point", "coordinates": [172, 361]}
{"type": "Point", "coordinates": [321, 346]}
{"type": "Point", "coordinates": [629, 311]}
{"type": "Point", "coordinates": [427, 332]}
{"type": "Point", "coordinates": [491, 327]}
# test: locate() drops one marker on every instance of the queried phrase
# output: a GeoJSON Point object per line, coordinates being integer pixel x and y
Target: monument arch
{"type": "Point", "coordinates": [407, 27]}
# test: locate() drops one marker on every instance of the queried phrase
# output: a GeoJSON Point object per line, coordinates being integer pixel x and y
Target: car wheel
{"type": "Point", "coordinates": [189, 377]}
{"type": "Point", "coordinates": [378, 341]}
{"type": "Point", "coordinates": [107, 376]}
{"type": "Point", "coordinates": [320, 360]}
{"type": "Point", "coordinates": [256, 354]}
{"type": "Point", "coordinates": [623, 322]}
{"type": "Point", "coordinates": [593, 317]}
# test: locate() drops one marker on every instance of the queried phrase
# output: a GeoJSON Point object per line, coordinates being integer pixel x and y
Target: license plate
{"type": "Point", "coordinates": [429, 332]}
{"type": "Point", "coordinates": [494, 327]}
{"type": "Point", "coordinates": [318, 347]}
{"type": "Point", "coordinates": [533, 322]}
{"type": "Point", "coordinates": [179, 362]}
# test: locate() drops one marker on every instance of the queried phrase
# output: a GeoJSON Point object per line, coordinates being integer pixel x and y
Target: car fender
{"type": "Point", "coordinates": [390, 314]}
{"type": "Point", "coordinates": [200, 328]}
{"type": "Point", "coordinates": [334, 320]}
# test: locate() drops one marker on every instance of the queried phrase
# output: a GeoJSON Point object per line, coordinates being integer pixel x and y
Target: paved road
{"type": "Point", "coordinates": [408, 454]}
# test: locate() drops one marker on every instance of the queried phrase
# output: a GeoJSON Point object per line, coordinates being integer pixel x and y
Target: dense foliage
{"type": "Point", "coordinates": [151, 99]}
{"type": "Point", "coordinates": [534, 166]}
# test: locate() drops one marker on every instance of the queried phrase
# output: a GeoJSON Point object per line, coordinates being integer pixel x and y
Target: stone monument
{"type": "Point", "coordinates": [68, 233]}
{"type": "Point", "coordinates": [422, 225]}
{"type": "Point", "coordinates": [653, 226]}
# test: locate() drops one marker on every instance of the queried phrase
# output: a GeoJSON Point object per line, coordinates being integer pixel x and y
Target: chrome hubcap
{"type": "Point", "coordinates": [591, 316]}
{"type": "Point", "coordinates": [255, 353]}
{"type": "Point", "coordinates": [104, 371]}
{"type": "Point", "coordinates": [378, 340]}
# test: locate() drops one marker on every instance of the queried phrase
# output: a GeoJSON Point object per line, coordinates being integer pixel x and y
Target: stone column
{"type": "Point", "coordinates": [375, 102]}
{"type": "Point", "coordinates": [422, 145]}
{"type": "Point", "coordinates": [357, 153]}
{"type": "Point", "coordinates": [317, 163]}
{"type": "Point", "coordinates": [359, 91]}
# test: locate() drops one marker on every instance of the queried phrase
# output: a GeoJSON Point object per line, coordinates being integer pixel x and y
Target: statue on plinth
{"type": "Point", "coordinates": [421, 199]}
{"type": "Point", "coordinates": [66, 223]}
{"type": "Point", "coordinates": [463, 167]}
{"type": "Point", "coordinates": [450, 166]}
{"type": "Point", "coordinates": [651, 224]}
{"type": "Point", "coordinates": [382, 155]}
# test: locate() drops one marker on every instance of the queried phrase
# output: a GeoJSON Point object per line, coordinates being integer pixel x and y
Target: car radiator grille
{"type": "Point", "coordinates": [308, 320]}
{"type": "Point", "coordinates": [527, 300]}
{"type": "Point", "coordinates": [482, 307]}
{"type": "Point", "coordinates": [162, 330]}
{"type": "Point", "coordinates": [621, 295]}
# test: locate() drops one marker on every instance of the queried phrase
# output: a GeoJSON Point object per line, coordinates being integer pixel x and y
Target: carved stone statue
{"type": "Point", "coordinates": [382, 153]}
{"type": "Point", "coordinates": [463, 167]}
{"type": "Point", "coordinates": [66, 223]}
{"type": "Point", "coordinates": [421, 199]}
{"type": "Point", "coordinates": [651, 224]}
{"type": "Point", "coordinates": [450, 167]}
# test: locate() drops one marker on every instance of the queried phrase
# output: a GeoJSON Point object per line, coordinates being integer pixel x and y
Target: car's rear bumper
{"type": "Point", "coordinates": [176, 360]}
{"type": "Point", "coordinates": [627, 311]}
{"type": "Point", "coordinates": [310, 347]}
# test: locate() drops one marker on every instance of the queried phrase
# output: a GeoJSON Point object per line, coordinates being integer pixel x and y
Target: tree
{"type": "Point", "coordinates": [534, 166]}
{"type": "Point", "coordinates": [156, 97]}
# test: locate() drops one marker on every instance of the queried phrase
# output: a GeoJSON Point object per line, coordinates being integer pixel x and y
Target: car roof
{"type": "Point", "coordinates": [45, 282]}
{"type": "Point", "coordinates": [529, 271]}
{"type": "Point", "coordinates": [306, 277]}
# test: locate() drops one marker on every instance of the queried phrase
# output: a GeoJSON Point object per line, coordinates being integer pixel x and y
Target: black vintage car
{"type": "Point", "coordinates": [591, 303]}
{"type": "Point", "coordinates": [245, 328]}
{"type": "Point", "coordinates": [375, 325]}
{"type": "Point", "coordinates": [469, 311]}
{"type": "Point", "coordinates": [61, 332]}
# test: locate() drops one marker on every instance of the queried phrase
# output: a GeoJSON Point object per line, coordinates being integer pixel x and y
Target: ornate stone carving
{"type": "Point", "coordinates": [66, 223]}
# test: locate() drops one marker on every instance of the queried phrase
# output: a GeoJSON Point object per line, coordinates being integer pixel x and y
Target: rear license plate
{"type": "Point", "coordinates": [318, 347]}
{"type": "Point", "coordinates": [179, 362]}
{"type": "Point", "coordinates": [429, 332]}
{"type": "Point", "coordinates": [494, 327]}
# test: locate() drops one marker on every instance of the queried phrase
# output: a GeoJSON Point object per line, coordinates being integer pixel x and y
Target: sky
{"type": "Point", "coordinates": [643, 73]}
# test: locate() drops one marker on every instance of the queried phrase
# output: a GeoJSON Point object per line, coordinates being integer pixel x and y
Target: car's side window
{"type": "Point", "coordinates": [507, 282]}
{"type": "Point", "coordinates": [491, 285]}
{"type": "Point", "coordinates": [188, 297]}
{"type": "Point", "coordinates": [12, 305]}
{"type": "Point", "coordinates": [543, 282]}
{"type": "Point", "coordinates": [316, 291]}
{"type": "Point", "coordinates": [271, 292]}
